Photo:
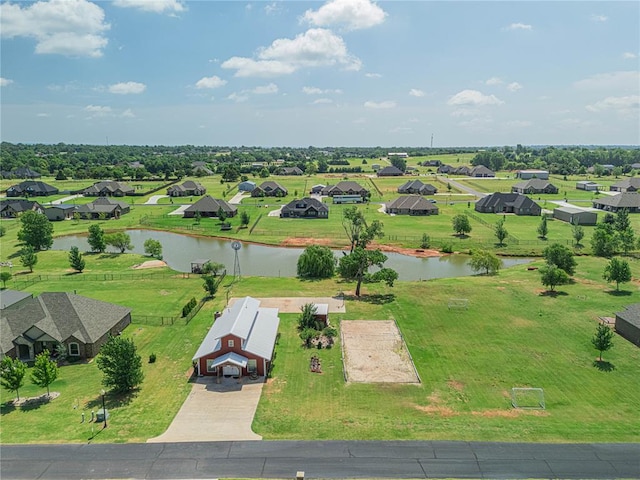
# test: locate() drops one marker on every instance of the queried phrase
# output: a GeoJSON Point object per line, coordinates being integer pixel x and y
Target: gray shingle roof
{"type": "Point", "coordinates": [622, 200]}
{"type": "Point", "coordinates": [210, 204]}
{"type": "Point", "coordinates": [412, 202]}
{"type": "Point", "coordinates": [631, 314]}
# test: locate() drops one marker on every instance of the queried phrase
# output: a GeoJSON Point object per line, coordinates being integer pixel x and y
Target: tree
{"type": "Point", "coordinates": [119, 240]}
{"type": "Point", "coordinates": [120, 364]}
{"type": "Point", "coordinates": [461, 224]}
{"type": "Point", "coordinates": [561, 257]}
{"type": "Point", "coordinates": [578, 234]}
{"type": "Point", "coordinates": [551, 276]}
{"type": "Point", "coordinates": [604, 241]}
{"type": "Point", "coordinates": [543, 228]}
{"type": "Point", "coordinates": [484, 260]}
{"type": "Point", "coordinates": [230, 174]}
{"type": "Point", "coordinates": [617, 270]}
{"type": "Point", "coordinates": [212, 268]}
{"type": "Point", "coordinates": [622, 222]}
{"type": "Point", "coordinates": [75, 259]}
{"type": "Point", "coordinates": [12, 372]}
{"type": "Point", "coordinates": [197, 217]}
{"type": "Point", "coordinates": [308, 319]}
{"type": "Point", "coordinates": [45, 371]}
{"type": "Point", "coordinates": [500, 231]}
{"type": "Point", "coordinates": [359, 232]}
{"type": "Point", "coordinates": [5, 277]}
{"type": "Point", "coordinates": [222, 216]}
{"type": "Point", "coordinates": [96, 239]}
{"type": "Point", "coordinates": [210, 285]}
{"type": "Point", "coordinates": [316, 262]}
{"type": "Point", "coordinates": [626, 240]}
{"type": "Point", "coordinates": [244, 218]}
{"type": "Point", "coordinates": [425, 242]}
{"type": "Point", "coordinates": [603, 339]}
{"type": "Point", "coordinates": [356, 265]}
{"type": "Point", "coordinates": [399, 163]}
{"type": "Point", "coordinates": [36, 230]}
{"type": "Point", "coordinates": [153, 248]}
{"type": "Point", "coordinates": [28, 257]}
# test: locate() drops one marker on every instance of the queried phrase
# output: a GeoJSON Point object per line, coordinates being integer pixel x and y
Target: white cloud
{"type": "Point", "coordinates": [372, 75]}
{"type": "Point", "coordinates": [64, 27]}
{"type": "Point", "coordinates": [5, 81]}
{"type": "Point", "coordinates": [494, 81]}
{"type": "Point", "coordinates": [128, 113]}
{"type": "Point", "coordinates": [316, 47]}
{"type": "Point", "coordinates": [272, 8]}
{"type": "Point", "coordinates": [210, 82]}
{"type": "Point", "coordinates": [238, 97]}
{"type": "Point", "coordinates": [98, 111]}
{"type": "Point", "coordinates": [43, 115]}
{"type": "Point", "coordinates": [380, 105]}
{"type": "Point", "coordinates": [127, 88]}
{"type": "Point", "coordinates": [514, 87]}
{"type": "Point", "coordinates": [351, 14]}
{"type": "Point", "coordinates": [319, 91]}
{"type": "Point", "coordinates": [610, 81]}
{"type": "Point", "coordinates": [629, 55]}
{"type": "Point", "coordinates": [265, 89]}
{"type": "Point", "coordinates": [473, 97]}
{"type": "Point", "coordinates": [153, 6]}
{"type": "Point", "coordinates": [321, 101]}
{"type": "Point", "coordinates": [519, 26]}
{"type": "Point", "coordinates": [599, 18]}
{"type": "Point", "coordinates": [518, 124]}
{"type": "Point", "coordinates": [414, 92]}
{"type": "Point", "coordinates": [619, 104]}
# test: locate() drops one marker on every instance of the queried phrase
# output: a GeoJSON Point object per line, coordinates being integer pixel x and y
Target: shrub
{"type": "Point", "coordinates": [426, 241]}
{"type": "Point", "coordinates": [152, 358]}
{"type": "Point", "coordinates": [447, 247]}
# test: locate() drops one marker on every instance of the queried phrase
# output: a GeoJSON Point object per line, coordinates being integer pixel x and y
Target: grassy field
{"type": "Point", "coordinates": [468, 361]}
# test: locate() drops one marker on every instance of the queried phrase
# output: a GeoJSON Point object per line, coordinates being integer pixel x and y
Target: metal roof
{"type": "Point", "coordinates": [232, 358]}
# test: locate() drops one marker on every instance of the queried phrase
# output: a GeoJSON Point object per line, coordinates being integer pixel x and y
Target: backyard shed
{"type": "Point", "coordinates": [628, 323]}
{"type": "Point", "coordinates": [198, 264]}
{"type": "Point", "coordinates": [575, 216]}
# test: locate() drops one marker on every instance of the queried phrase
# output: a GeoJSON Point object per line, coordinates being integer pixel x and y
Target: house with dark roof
{"type": "Point", "coordinates": [534, 185]}
{"type": "Point", "coordinates": [31, 188]}
{"type": "Point", "coordinates": [430, 163]}
{"type": "Point", "coordinates": [186, 189]}
{"type": "Point", "coordinates": [627, 185]}
{"type": "Point", "coordinates": [269, 189]}
{"type": "Point", "coordinates": [305, 208]}
{"type": "Point", "coordinates": [80, 323]}
{"type": "Point", "coordinates": [201, 168]}
{"type": "Point", "coordinates": [14, 208]}
{"type": "Point", "coordinates": [390, 171]}
{"type": "Point", "coordinates": [290, 171]}
{"type": "Point", "coordinates": [411, 205]}
{"type": "Point", "coordinates": [417, 187]}
{"type": "Point", "coordinates": [25, 172]}
{"type": "Point", "coordinates": [61, 211]}
{"type": "Point", "coordinates": [240, 342]}
{"type": "Point", "coordinates": [508, 203]}
{"type": "Point", "coordinates": [208, 206]}
{"type": "Point", "coordinates": [9, 297]}
{"type": "Point", "coordinates": [480, 171]}
{"type": "Point", "coordinates": [446, 169]}
{"type": "Point", "coordinates": [629, 201]}
{"type": "Point", "coordinates": [317, 189]}
{"type": "Point", "coordinates": [628, 323]}
{"type": "Point", "coordinates": [346, 187]}
{"type": "Point", "coordinates": [246, 186]}
{"type": "Point", "coordinates": [108, 188]}
{"type": "Point", "coordinates": [103, 207]}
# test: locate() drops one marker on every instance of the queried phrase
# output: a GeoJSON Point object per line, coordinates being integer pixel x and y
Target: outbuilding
{"type": "Point", "coordinates": [575, 216]}
{"type": "Point", "coordinates": [628, 323]}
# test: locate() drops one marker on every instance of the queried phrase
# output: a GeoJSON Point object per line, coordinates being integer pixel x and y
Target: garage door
{"type": "Point", "coordinates": [231, 370]}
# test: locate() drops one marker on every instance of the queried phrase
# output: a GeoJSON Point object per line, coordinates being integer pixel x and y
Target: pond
{"type": "Point", "coordinates": [265, 261]}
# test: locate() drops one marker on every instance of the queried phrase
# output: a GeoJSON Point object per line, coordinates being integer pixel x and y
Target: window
{"type": "Point", "coordinates": [252, 366]}
{"type": "Point", "coordinates": [210, 367]}
{"type": "Point", "coordinates": [74, 349]}
{"type": "Point", "coordinates": [230, 343]}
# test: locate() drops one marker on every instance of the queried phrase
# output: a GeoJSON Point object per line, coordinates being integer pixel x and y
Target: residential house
{"type": "Point", "coordinates": [61, 211]}
{"type": "Point", "coordinates": [464, 170]}
{"type": "Point", "coordinates": [246, 186]}
{"type": "Point", "coordinates": [305, 208]}
{"type": "Point", "coordinates": [481, 171]}
{"type": "Point", "coordinates": [346, 187]}
{"type": "Point", "coordinates": [9, 297]}
{"type": "Point", "coordinates": [201, 168]}
{"type": "Point", "coordinates": [411, 205]}
{"type": "Point", "coordinates": [290, 171]}
{"type": "Point", "coordinates": [575, 216]}
{"type": "Point", "coordinates": [208, 206]}
{"type": "Point", "coordinates": [31, 188]}
{"type": "Point", "coordinates": [635, 166]}
{"type": "Point", "coordinates": [398, 154]}
{"type": "Point", "coordinates": [588, 185]}
{"type": "Point", "coordinates": [627, 185]}
{"type": "Point", "coordinates": [446, 169]}
{"type": "Point", "coordinates": [80, 323]}
{"type": "Point", "coordinates": [628, 323]}
{"type": "Point", "coordinates": [528, 174]}
{"type": "Point", "coordinates": [108, 188]}
{"type": "Point", "coordinates": [269, 189]}
{"type": "Point", "coordinates": [629, 201]}
{"type": "Point", "coordinates": [417, 187]}
{"type": "Point", "coordinates": [13, 208]}
{"type": "Point", "coordinates": [25, 172]}
{"type": "Point", "coordinates": [188, 188]}
{"type": "Point", "coordinates": [534, 185]}
{"type": "Point", "coordinates": [390, 171]}
{"type": "Point", "coordinates": [317, 189]}
{"type": "Point", "coordinates": [431, 163]}
{"type": "Point", "coordinates": [103, 207]}
{"type": "Point", "coordinates": [508, 203]}
{"type": "Point", "coordinates": [240, 342]}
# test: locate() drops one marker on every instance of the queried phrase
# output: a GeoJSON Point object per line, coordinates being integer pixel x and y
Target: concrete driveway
{"type": "Point", "coordinates": [216, 412]}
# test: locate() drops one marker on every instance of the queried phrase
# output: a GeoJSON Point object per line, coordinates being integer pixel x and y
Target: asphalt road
{"type": "Point", "coordinates": [332, 459]}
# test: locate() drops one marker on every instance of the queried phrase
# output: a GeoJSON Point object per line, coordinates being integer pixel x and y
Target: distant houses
{"type": "Point", "coordinates": [528, 174]}
{"type": "Point", "coordinates": [103, 208]}
{"type": "Point", "coordinates": [629, 201]}
{"type": "Point", "coordinates": [14, 208]}
{"type": "Point", "coordinates": [290, 171]}
{"type": "Point", "coordinates": [269, 189]}
{"type": "Point", "coordinates": [508, 203]}
{"type": "Point", "coordinates": [317, 189]}
{"type": "Point", "coordinates": [208, 206]}
{"type": "Point", "coordinates": [411, 205]}
{"type": "Point", "coordinates": [479, 171]}
{"type": "Point", "coordinates": [62, 211]}
{"type": "Point", "coordinates": [305, 208]}
{"type": "Point", "coordinates": [346, 187]}
{"type": "Point", "coordinates": [31, 188]}
{"type": "Point", "coordinates": [627, 185]}
{"type": "Point", "coordinates": [25, 172]}
{"type": "Point", "coordinates": [390, 171]}
{"type": "Point", "coordinates": [186, 189]}
{"type": "Point", "coordinates": [417, 187]}
{"type": "Point", "coordinates": [108, 188]}
{"type": "Point", "coordinates": [534, 185]}
{"type": "Point", "coordinates": [246, 186]}
{"type": "Point", "coordinates": [201, 168]}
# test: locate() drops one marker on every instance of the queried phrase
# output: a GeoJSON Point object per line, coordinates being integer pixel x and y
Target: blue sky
{"type": "Point", "coordinates": [336, 73]}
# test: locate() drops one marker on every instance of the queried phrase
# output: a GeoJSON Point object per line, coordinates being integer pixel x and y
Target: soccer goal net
{"type": "Point", "coordinates": [458, 303]}
{"type": "Point", "coordinates": [528, 398]}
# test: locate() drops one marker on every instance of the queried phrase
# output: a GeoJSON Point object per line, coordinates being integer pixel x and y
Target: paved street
{"type": "Point", "coordinates": [331, 459]}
